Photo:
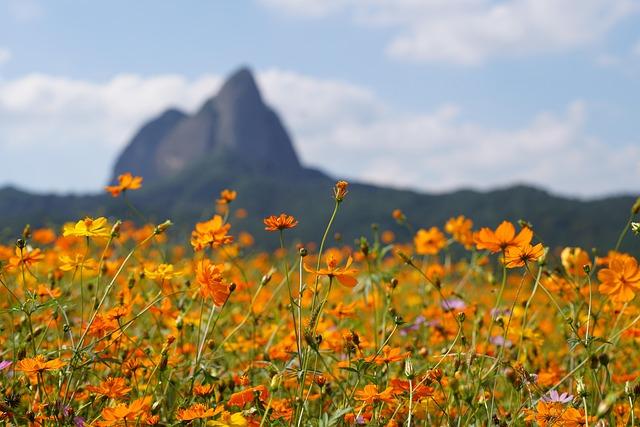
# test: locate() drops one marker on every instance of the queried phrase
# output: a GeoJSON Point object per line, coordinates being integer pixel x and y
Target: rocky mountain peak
{"type": "Point", "coordinates": [235, 123]}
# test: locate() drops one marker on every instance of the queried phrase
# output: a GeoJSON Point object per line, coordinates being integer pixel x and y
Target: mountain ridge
{"type": "Point", "coordinates": [235, 140]}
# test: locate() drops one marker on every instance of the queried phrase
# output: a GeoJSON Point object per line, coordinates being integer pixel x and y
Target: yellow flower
{"type": "Point", "coordinates": [574, 261]}
{"type": "Point", "coordinates": [229, 420]}
{"type": "Point", "coordinates": [88, 227]}
{"type": "Point", "coordinates": [429, 242]}
{"type": "Point", "coordinates": [162, 272]}
{"type": "Point", "coordinates": [67, 263]}
{"type": "Point", "coordinates": [126, 182]}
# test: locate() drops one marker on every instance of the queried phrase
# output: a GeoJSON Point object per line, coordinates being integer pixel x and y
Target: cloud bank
{"type": "Point", "coordinates": [63, 134]}
{"type": "Point", "coordinates": [470, 32]}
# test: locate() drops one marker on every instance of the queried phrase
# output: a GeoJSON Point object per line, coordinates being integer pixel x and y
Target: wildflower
{"type": "Point", "coordinates": [226, 197]}
{"type": "Point", "coordinates": [228, 419]}
{"type": "Point", "coordinates": [429, 242]}
{"type": "Point", "coordinates": [113, 388]}
{"type": "Point", "coordinates": [460, 229]}
{"type": "Point", "coordinates": [370, 395]}
{"type": "Point", "coordinates": [518, 256]}
{"type": "Point", "coordinates": [345, 275]}
{"type": "Point", "coordinates": [44, 236]}
{"type": "Point", "coordinates": [621, 279]}
{"type": "Point", "coordinates": [126, 182]}
{"type": "Point", "coordinates": [202, 389]}
{"type": "Point", "coordinates": [574, 260]}
{"type": "Point", "coordinates": [88, 227]}
{"type": "Point", "coordinates": [25, 257]}
{"type": "Point", "coordinates": [212, 233]}
{"type": "Point", "coordinates": [340, 191]}
{"type": "Point", "coordinates": [4, 364]}
{"type": "Point", "coordinates": [553, 396]}
{"type": "Point", "coordinates": [399, 216]}
{"type": "Point", "coordinates": [44, 291]}
{"type": "Point", "coordinates": [545, 413]}
{"type": "Point", "coordinates": [503, 237]}
{"type": "Point", "coordinates": [275, 223]}
{"type": "Point", "coordinates": [389, 355]}
{"type": "Point", "coordinates": [453, 304]}
{"type": "Point", "coordinates": [162, 272]}
{"type": "Point", "coordinates": [37, 365]}
{"type": "Point", "coordinates": [248, 395]}
{"type": "Point", "coordinates": [124, 414]}
{"type": "Point", "coordinates": [212, 284]}
{"type": "Point", "coordinates": [196, 411]}
{"type": "Point", "coordinates": [68, 264]}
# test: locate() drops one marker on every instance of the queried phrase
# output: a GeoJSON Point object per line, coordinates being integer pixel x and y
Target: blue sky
{"type": "Point", "coordinates": [430, 94]}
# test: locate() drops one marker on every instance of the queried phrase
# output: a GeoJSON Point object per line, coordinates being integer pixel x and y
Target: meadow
{"type": "Point", "coordinates": [109, 323]}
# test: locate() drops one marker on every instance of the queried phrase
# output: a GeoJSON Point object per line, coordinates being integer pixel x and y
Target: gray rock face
{"type": "Point", "coordinates": [236, 123]}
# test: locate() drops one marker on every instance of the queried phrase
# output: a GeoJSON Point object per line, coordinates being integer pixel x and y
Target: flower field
{"type": "Point", "coordinates": [105, 323]}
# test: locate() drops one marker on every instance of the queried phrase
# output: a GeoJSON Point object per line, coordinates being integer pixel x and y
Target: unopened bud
{"type": "Point", "coordinates": [161, 228]}
{"type": "Point", "coordinates": [115, 230]}
{"type": "Point", "coordinates": [26, 232]}
{"type": "Point", "coordinates": [408, 368]}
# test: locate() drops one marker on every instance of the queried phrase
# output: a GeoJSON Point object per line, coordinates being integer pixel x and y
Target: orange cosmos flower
{"type": "Point", "coordinates": [44, 236]}
{"type": "Point", "coordinates": [196, 411]}
{"type": "Point", "coordinates": [460, 228]}
{"type": "Point", "coordinates": [574, 261]}
{"type": "Point", "coordinates": [504, 237]}
{"type": "Point", "coordinates": [43, 291]}
{"type": "Point", "coordinates": [429, 242]}
{"type": "Point", "coordinates": [26, 256]}
{"type": "Point", "coordinates": [345, 275]}
{"type": "Point", "coordinates": [38, 365]}
{"type": "Point", "coordinates": [388, 355]}
{"type": "Point", "coordinates": [212, 233]}
{"type": "Point", "coordinates": [226, 197]}
{"type": "Point", "coordinates": [126, 181]}
{"type": "Point", "coordinates": [518, 256]}
{"type": "Point", "coordinates": [546, 413]}
{"type": "Point", "coordinates": [212, 284]}
{"type": "Point", "coordinates": [124, 414]}
{"type": "Point", "coordinates": [114, 388]}
{"type": "Point", "coordinates": [88, 227]}
{"type": "Point", "coordinates": [275, 223]}
{"type": "Point", "coordinates": [621, 279]}
{"type": "Point", "coordinates": [248, 395]}
{"type": "Point", "coordinates": [202, 389]}
{"type": "Point", "coordinates": [370, 395]}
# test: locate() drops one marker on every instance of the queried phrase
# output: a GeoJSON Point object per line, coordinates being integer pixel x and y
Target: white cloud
{"type": "Point", "coordinates": [469, 32]}
{"type": "Point", "coordinates": [5, 56]}
{"type": "Point", "coordinates": [58, 133]}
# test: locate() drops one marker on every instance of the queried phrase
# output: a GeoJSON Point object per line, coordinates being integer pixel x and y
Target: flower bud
{"type": "Point", "coordinates": [161, 228]}
{"type": "Point", "coordinates": [115, 230]}
{"type": "Point", "coordinates": [340, 191]}
{"type": "Point", "coordinates": [408, 368]}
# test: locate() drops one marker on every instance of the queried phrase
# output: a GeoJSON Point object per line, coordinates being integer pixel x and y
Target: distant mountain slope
{"type": "Point", "coordinates": [235, 121]}
{"type": "Point", "coordinates": [236, 141]}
